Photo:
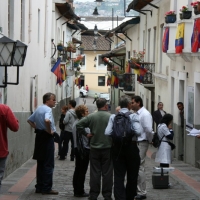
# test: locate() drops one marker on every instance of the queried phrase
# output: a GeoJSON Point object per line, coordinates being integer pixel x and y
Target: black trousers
{"type": "Point", "coordinates": [81, 166]}
{"type": "Point", "coordinates": [126, 161]}
{"type": "Point", "coordinates": [44, 171]}
{"type": "Point", "coordinates": [101, 166]}
{"type": "Point", "coordinates": [67, 136]}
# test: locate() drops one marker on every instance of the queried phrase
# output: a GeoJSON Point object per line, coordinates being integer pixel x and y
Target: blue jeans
{"type": "Point", "coordinates": [2, 168]}
{"type": "Point", "coordinates": [44, 171]}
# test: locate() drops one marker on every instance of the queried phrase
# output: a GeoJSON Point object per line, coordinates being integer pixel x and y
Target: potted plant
{"type": "Point", "coordinates": [60, 46]}
{"type": "Point", "coordinates": [196, 6]}
{"type": "Point", "coordinates": [185, 13]}
{"type": "Point", "coordinates": [170, 17]}
{"type": "Point", "coordinates": [74, 49]}
{"type": "Point", "coordinates": [70, 46]}
{"type": "Point", "coordinates": [138, 57]}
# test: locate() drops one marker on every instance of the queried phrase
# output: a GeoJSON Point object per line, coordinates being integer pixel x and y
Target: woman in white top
{"type": "Point", "coordinates": [165, 133]}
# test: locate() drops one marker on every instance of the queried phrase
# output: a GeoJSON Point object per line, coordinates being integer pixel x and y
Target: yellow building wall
{"type": "Point", "coordinates": [92, 73]}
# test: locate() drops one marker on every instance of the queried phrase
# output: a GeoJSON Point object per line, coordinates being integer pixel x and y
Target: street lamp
{"type": "Point", "coordinates": [95, 13]}
{"type": "Point", "coordinates": [95, 29]}
{"type": "Point", "coordinates": [95, 36]}
{"type": "Point", "coordinates": [12, 53]}
{"type": "Point", "coordinates": [19, 58]}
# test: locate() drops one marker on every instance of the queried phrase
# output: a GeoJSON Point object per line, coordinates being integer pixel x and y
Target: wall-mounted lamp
{"type": "Point", "coordinates": [99, 2]}
{"type": "Point", "coordinates": [94, 65]}
{"type": "Point", "coordinates": [12, 53]}
{"type": "Point", "coordinates": [96, 36]}
{"type": "Point", "coordinates": [95, 58]}
{"type": "Point", "coordinates": [94, 45]}
{"type": "Point", "coordinates": [187, 75]}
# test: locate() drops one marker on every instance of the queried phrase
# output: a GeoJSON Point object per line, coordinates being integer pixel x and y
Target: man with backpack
{"type": "Point", "coordinates": [124, 128]}
{"type": "Point", "coordinates": [144, 139]}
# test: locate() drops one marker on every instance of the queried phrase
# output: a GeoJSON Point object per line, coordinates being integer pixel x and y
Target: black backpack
{"type": "Point", "coordinates": [156, 141]}
{"type": "Point", "coordinates": [122, 132]}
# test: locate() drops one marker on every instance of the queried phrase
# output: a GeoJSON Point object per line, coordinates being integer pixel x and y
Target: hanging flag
{"type": "Point", "coordinates": [76, 81]}
{"type": "Point", "coordinates": [108, 81]}
{"type": "Point", "coordinates": [116, 82]}
{"type": "Point", "coordinates": [179, 42]}
{"type": "Point", "coordinates": [56, 69]}
{"type": "Point", "coordinates": [142, 71]}
{"type": "Point", "coordinates": [112, 79]}
{"type": "Point", "coordinates": [195, 40]}
{"type": "Point", "coordinates": [136, 71]}
{"type": "Point", "coordinates": [63, 72]}
{"type": "Point", "coordinates": [165, 41]}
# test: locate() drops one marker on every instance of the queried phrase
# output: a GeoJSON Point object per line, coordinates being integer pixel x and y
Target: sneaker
{"type": "Point", "coordinates": [51, 192]}
{"type": "Point", "coordinates": [140, 197]}
{"type": "Point", "coordinates": [82, 195]}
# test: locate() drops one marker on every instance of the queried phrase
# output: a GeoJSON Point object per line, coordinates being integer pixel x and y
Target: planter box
{"type": "Point", "coordinates": [187, 14]}
{"type": "Point", "coordinates": [170, 19]}
{"type": "Point", "coordinates": [60, 48]}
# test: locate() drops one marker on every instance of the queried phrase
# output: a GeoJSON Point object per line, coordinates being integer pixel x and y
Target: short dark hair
{"type": "Point", "coordinates": [138, 99]}
{"type": "Point", "coordinates": [101, 103]}
{"type": "Point", "coordinates": [159, 103]}
{"type": "Point", "coordinates": [47, 96]}
{"type": "Point", "coordinates": [72, 103]}
{"type": "Point", "coordinates": [167, 118]}
{"type": "Point", "coordinates": [65, 108]}
{"type": "Point", "coordinates": [124, 101]}
{"type": "Point", "coordinates": [180, 103]}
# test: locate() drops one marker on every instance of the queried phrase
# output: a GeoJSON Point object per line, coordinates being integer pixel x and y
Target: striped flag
{"type": "Point", "coordinates": [165, 41]}
{"type": "Point", "coordinates": [195, 40]}
{"type": "Point", "coordinates": [56, 69]}
{"type": "Point", "coordinates": [179, 42]}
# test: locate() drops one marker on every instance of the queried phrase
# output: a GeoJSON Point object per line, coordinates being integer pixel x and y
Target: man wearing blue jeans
{"type": "Point", "coordinates": [7, 120]}
{"type": "Point", "coordinates": [43, 122]}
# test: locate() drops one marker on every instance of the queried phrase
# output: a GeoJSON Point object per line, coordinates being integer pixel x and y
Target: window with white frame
{"type": "Point", "coordinates": [101, 80]}
{"type": "Point", "coordinates": [149, 44]}
{"type": "Point", "coordinates": [83, 66]}
{"type": "Point", "coordinates": [100, 63]}
{"type": "Point", "coordinates": [154, 44]}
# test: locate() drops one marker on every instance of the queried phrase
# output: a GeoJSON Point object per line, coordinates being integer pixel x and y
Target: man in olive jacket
{"type": "Point", "coordinates": [100, 146]}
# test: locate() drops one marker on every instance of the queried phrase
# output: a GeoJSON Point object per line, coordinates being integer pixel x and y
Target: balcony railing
{"type": "Point", "coordinates": [148, 78]}
{"type": "Point", "coordinates": [127, 82]}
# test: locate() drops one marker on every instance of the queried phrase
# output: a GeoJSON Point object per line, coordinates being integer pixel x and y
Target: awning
{"type": "Point", "coordinates": [76, 41]}
{"type": "Point", "coordinates": [126, 25]}
{"type": "Point", "coordinates": [137, 5]}
{"type": "Point", "coordinates": [66, 11]}
{"type": "Point", "coordinates": [77, 26]}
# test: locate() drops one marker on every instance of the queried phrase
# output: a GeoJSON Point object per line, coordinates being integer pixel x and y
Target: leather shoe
{"type": "Point", "coordinates": [140, 197]}
{"type": "Point", "coordinates": [52, 192]}
{"type": "Point", "coordinates": [82, 195]}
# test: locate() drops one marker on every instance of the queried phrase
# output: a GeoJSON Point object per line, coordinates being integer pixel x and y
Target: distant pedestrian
{"type": "Point", "coordinates": [165, 134]}
{"type": "Point", "coordinates": [95, 97]}
{"type": "Point", "coordinates": [126, 158]}
{"type": "Point", "coordinates": [42, 121]}
{"type": "Point", "coordinates": [143, 142]}
{"type": "Point", "coordinates": [69, 120]}
{"type": "Point", "coordinates": [100, 151]}
{"type": "Point", "coordinates": [180, 106]}
{"type": "Point", "coordinates": [87, 88]}
{"type": "Point", "coordinates": [7, 120]}
{"type": "Point", "coordinates": [64, 109]}
{"type": "Point", "coordinates": [82, 152]}
{"type": "Point", "coordinates": [158, 114]}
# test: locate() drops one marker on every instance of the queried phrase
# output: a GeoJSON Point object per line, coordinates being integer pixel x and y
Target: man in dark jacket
{"type": "Point", "coordinates": [158, 114]}
{"type": "Point", "coordinates": [68, 121]}
{"type": "Point", "coordinates": [42, 121]}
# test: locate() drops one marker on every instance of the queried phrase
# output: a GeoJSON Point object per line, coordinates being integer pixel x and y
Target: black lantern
{"type": "Point", "coordinates": [95, 12]}
{"type": "Point", "coordinates": [7, 50]}
{"type": "Point", "coordinates": [95, 58]}
{"type": "Point", "coordinates": [95, 30]}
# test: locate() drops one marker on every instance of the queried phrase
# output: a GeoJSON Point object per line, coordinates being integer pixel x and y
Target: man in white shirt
{"type": "Point", "coordinates": [144, 139]}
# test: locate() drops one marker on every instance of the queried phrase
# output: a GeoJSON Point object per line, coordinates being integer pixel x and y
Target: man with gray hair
{"type": "Point", "coordinates": [125, 152]}
{"type": "Point", "coordinates": [100, 150]}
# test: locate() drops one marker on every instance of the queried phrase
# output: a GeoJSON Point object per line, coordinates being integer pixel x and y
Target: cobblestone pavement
{"type": "Point", "coordinates": [185, 180]}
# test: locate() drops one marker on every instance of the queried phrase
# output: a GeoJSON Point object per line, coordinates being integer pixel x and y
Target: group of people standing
{"type": "Point", "coordinates": [91, 139]}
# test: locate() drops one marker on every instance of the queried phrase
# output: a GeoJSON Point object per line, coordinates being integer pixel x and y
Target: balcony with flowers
{"type": "Point", "coordinates": [181, 33]}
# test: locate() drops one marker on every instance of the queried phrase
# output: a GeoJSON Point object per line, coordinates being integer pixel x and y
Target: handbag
{"type": "Point", "coordinates": [173, 146]}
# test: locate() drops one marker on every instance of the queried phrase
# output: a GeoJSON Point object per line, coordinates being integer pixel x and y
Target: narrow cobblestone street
{"type": "Point", "coordinates": [20, 184]}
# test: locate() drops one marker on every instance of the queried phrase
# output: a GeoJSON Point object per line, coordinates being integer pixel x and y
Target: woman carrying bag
{"type": "Point", "coordinates": [165, 134]}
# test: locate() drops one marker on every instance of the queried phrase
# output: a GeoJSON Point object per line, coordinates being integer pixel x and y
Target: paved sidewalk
{"type": "Point", "coordinates": [20, 184]}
